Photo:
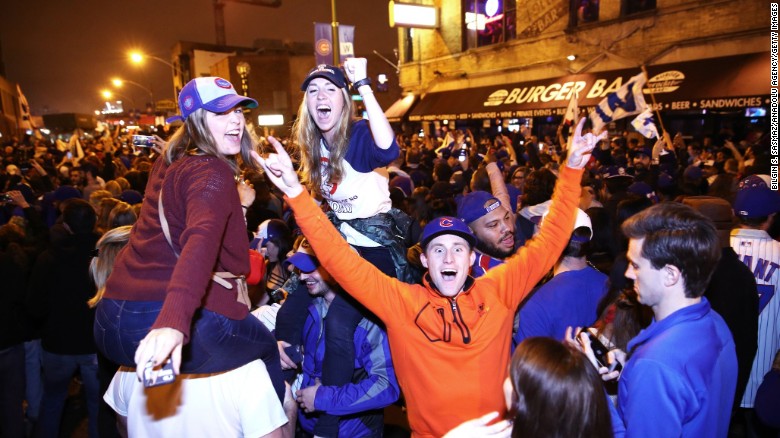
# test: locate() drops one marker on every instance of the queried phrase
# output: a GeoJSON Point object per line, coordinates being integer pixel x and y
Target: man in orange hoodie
{"type": "Point", "coordinates": [450, 337]}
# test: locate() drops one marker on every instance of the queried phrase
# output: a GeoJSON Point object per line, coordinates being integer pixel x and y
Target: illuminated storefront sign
{"type": "Point", "coordinates": [720, 83]}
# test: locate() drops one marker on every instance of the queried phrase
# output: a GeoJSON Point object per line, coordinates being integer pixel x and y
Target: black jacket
{"type": "Point", "coordinates": [60, 286]}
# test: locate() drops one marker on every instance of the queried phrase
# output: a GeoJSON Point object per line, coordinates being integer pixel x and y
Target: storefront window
{"type": "Point", "coordinates": [584, 12]}
{"type": "Point", "coordinates": [488, 22]}
{"type": "Point", "coordinates": [636, 6]}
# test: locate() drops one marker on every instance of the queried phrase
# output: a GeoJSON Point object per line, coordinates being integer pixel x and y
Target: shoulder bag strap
{"type": "Point", "coordinates": [167, 232]}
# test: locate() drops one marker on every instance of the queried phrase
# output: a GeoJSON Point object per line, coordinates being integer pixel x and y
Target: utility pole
{"type": "Point", "coordinates": [335, 26]}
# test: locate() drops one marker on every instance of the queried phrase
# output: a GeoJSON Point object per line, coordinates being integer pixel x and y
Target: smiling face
{"type": "Point", "coordinates": [448, 258]}
{"type": "Point", "coordinates": [318, 283]}
{"type": "Point", "coordinates": [227, 129]}
{"type": "Point", "coordinates": [495, 233]}
{"type": "Point", "coordinates": [325, 102]}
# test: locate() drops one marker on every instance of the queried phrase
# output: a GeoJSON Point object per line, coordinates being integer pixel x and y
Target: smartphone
{"type": "Point", "coordinates": [143, 141]}
{"type": "Point", "coordinates": [163, 376]}
{"type": "Point", "coordinates": [69, 155]}
{"type": "Point", "coordinates": [600, 351]}
{"type": "Point", "coordinates": [294, 353]}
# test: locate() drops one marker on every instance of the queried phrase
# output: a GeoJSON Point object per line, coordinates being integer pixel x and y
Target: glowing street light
{"type": "Point", "coordinates": [108, 95]}
{"type": "Point", "coordinates": [119, 82]}
{"type": "Point", "coordinates": [138, 58]}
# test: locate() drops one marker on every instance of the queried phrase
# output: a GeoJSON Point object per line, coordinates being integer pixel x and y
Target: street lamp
{"type": "Point", "coordinates": [137, 58]}
{"type": "Point", "coordinates": [243, 70]}
{"type": "Point", "coordinates": [119, 82]}
{"type": "Point", "coordinates": [108, 94]}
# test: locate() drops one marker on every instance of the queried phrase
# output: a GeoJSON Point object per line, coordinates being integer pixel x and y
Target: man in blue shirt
{"type": "Point", "coordinates": [681, 372]}
{"type": "Point", "coordinates": [571, 297]}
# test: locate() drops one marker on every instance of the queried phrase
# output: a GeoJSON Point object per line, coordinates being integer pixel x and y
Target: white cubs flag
{"type": "Point", "coordinates": [25, 119]}
{"type": "Point", "coordinates": [572, 110]}
{"type": "Point", "coordinates": [643, 123]}
{"type": "Point", "coordinates": [626, 101]}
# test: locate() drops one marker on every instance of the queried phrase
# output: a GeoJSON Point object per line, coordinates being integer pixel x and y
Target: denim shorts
{"type": "Point", "coordinates": [216, 344]}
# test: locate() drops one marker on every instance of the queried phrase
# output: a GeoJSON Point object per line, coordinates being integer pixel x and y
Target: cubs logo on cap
{"type": "Point", "coordinates": [329, 72]}
{"type": "Point", "coordinates": [446, 225]}
{"type": "Point", "coordinates": [222, 83]}
{"type": "Point", "coordinates": [188, 103]}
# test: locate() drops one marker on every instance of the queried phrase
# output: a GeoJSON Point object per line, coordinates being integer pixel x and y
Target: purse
{"type": "Point", "coordinates": [222, 277]}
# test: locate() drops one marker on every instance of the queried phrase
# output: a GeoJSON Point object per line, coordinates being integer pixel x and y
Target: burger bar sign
{"type": "Point", "coordinates": [596, 89]}
{"type": "Point", "coordinates": [524, 98]}
{"type": "Point", "coordinates": [727, 83]}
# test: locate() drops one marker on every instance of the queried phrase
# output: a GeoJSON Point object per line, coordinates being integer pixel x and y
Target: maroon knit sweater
{"type": "Point", "coordinates": [208, 231]}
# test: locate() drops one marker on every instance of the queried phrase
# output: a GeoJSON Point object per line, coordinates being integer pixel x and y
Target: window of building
{"type": "Point", "coordinates": [637, 6]}
{"type": "Point", "coordinates": [408, 44]}
{"type": "Point", "coordinates": [487, 22]}
{"type": "Point", "coordinates": [584, 12]}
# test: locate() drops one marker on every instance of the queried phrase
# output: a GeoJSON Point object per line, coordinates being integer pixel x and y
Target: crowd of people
{"type": "Point", "coordinates": [491, 284]}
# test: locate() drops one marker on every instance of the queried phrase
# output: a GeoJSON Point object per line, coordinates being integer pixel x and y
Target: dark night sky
{"type": "Point", "coordinates": [63, 52]}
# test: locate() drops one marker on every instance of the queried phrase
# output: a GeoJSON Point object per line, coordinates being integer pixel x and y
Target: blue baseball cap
{"type": "Point", "coordinates": [329, 72]}
{"type": "Point", "coordinates": [755, 199]}
{"type": "Point", "coordinates": [212, 94]}
{"type": "Point", "coordinates": [303, 258]}
{"type": "Point", "coordinates": [474, 205]}
{"type": "Point", "coordinates": [446, 225]}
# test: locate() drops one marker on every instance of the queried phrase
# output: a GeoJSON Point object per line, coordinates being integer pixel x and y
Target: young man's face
{"type": "Point", "coordinates": [495, 233]}
{"type": "Point", "coordinates": [448, 258]}
{"type": "Point", "coordinates": [648, 281]}
{"type": "Point", "coordinates": [318, 282]}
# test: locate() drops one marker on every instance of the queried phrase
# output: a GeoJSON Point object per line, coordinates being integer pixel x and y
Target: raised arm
{"type": "Point", "coordinates": [376, 291]}
{"type": "Point", "coordinates": [380, 128]}
{"type": "Point", "coordinates": [533, 260]}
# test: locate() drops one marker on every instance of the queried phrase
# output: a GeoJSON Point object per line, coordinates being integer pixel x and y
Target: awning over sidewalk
{"type": "Point", "coordinates": [400, 107]}
{"type": "Point", "coordinates": [717, 83]}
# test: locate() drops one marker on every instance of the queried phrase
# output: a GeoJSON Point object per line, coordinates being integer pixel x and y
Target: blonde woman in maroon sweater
{"type": "Point", "coordinates": [177, 290]}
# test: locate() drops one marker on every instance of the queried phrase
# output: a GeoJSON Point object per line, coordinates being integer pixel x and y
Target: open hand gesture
{"type": "Point", "coordinates": [581, 146]}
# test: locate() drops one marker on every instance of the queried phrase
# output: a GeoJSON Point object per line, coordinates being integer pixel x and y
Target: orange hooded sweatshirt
{"type": "Point", "coordinates": [451, 355]}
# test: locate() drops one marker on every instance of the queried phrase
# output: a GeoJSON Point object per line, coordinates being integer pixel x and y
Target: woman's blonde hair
{"type": "Point", "coordinates": [194, 138]}
{"type": "Point", "coordinates": [114, 188]}
{"type": "Point", "coordinates": [103, 263]}
{"type": "Point", "coordinates": [122, 214]}
{"type": "Point", "coordinates": [308, 136]}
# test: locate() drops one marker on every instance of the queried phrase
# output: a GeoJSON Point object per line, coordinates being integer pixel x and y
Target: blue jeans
{"type": "Point", "coordinates": [12, 392]}
{"type": "Point", "coordinates": [34, 377]}
{"type": "Point", "coordinates": [58, 370]}
{"type": "Point", "coordinates": [216, 344]}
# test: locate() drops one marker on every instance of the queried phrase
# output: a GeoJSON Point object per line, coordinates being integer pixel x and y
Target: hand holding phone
{"type": "Point", "coordinates": [143, 141]}
{"type": "Point", "coordinates": [160, 375]}
{"type": "Point", "coordinates": [599, 351]}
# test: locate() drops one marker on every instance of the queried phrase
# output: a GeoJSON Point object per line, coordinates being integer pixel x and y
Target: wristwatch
{"type": "Point", "coordinates": [360, 83]}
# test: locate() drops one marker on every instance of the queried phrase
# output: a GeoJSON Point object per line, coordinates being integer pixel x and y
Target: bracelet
{"type": "Point", "coordinates": [360, 83]}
